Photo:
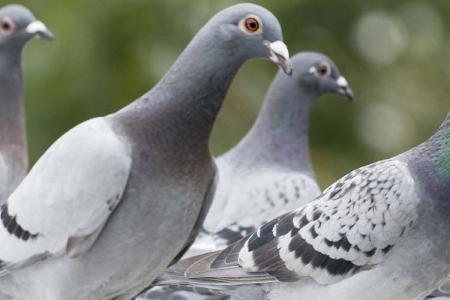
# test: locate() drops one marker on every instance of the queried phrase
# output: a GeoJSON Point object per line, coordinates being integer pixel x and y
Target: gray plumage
{"type": "Point", "coordinates": [377, 233]}
{"type": "Point", "coordinates": [114, 200]}
{"type": "Point", "coordinates": [269, 172]}
{"type": "Point", "coordinates": [443, 290]}
{"type": "Point", "coordinates": [17, 27]}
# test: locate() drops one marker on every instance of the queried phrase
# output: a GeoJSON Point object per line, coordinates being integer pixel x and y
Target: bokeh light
{"type": "Point", "coordinates": [395, 54]}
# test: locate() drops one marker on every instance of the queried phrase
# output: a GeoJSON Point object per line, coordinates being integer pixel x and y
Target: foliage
{"type": "Point", "coordinates": [395, 54]}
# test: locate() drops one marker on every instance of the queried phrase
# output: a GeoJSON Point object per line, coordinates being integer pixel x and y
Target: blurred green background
{"type": "Point", "coordinates": [394, 53]}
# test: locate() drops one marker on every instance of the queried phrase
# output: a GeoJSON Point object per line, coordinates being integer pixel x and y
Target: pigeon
{"type": "Point", "coordinates": [17, 27]}
{"type": "Point", "coordinates": [379, 232]}
{"type": "Point", "coordinates": [117, 199]}
{"type": "Point", "coordinates": [269, 172]}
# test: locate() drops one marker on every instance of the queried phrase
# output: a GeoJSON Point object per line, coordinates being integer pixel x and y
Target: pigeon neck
{"type": "Point", "coordinates": [187, 99]}
{"type": "Point", "coordinates": [280, 133]}
{"type": "Point", "coordinates": [431, 160]}
{"type": "Point", "coordinates": [13, 145]}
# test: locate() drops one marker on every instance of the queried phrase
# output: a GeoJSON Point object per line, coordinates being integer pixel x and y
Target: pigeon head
{"type": "Point", "coordinates": [251, 31]}
{"type": "Point", "coordinates": [319, 73]}
{"type": "Point", "coordinates": [18, 25]}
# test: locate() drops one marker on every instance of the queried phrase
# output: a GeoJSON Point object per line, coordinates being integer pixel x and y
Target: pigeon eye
{"type": "Point", "coordinates": [323, 69]}
{"type": "Point", "coordinates": [6, 26]}
{"type": "Point", "coordinates": [251, 24]}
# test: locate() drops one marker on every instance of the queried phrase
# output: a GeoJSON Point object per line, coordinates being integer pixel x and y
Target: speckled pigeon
{"type": "Point", "coordinates": [114, 201]}
{"type": "Point", "coordinates": [17, 27]}
{"type": "Point", "coordinates": [380, 232]}
{"type": "Point", "coordinates": [269, 172]}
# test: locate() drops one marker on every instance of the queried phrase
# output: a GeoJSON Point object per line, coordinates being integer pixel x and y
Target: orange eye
{"type": "Point", "coordinates": [323, 69]}
{"type": "Point", "coordinates": [6, 26]}
{"type": "Point", "coordinates": [251, 24]}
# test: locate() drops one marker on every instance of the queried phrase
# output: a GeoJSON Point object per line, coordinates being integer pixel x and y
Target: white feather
{"type": "Point", "coordinates": [70, 192]}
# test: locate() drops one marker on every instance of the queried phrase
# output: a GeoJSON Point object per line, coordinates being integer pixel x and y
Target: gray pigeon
{"type": "Point", "coordinates": [17, 27]}
{"type": "Point", "coordinates": [114, 201]}
{"type": "Point", "coordinates": [269, 172]}
{"type": "Point", "coordinates": [380, 232]}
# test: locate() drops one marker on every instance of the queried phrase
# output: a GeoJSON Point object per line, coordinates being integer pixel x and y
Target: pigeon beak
{"type": "Point", "coordinates": [279, 54]}
{"type": "Point", "coordinates": [38, 29]}
{"type": "Point", "coordinates": [344, 88]}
